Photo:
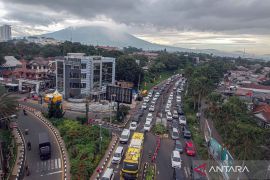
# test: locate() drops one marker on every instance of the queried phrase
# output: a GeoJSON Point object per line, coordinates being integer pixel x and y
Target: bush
{"type": "Point", "coordinates": [159, 129]}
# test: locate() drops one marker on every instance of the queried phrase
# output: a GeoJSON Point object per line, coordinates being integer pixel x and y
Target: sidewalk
{"type": "Point", "coordinates": [104, 162]}
{"type": "Point", "coordinates": [18, 168]}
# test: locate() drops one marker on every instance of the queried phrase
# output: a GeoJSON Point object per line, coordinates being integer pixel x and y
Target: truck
{"type": "Point", "coordinates": [44, 146]}
{"type": "Point", "coordinates": [133, 156]}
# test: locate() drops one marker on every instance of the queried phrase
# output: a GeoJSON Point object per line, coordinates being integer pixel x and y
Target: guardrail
{"type": "Point", "coordinates": [21, 165]}
{"type": "Point", "coordinates": [55, 133]}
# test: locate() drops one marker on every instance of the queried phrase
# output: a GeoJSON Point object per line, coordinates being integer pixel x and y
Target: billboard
{"type": "Point", "coordinates": [119, 94]}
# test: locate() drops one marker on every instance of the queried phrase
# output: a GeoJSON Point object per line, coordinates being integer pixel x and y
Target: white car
{"type": "Point", "coordinates": [176, 159]}
{"type": "Point", "coordinates": [170, 98]}
{"type": "Point", "coordinates": [146, 99]}
{"type": "Point", "coordinates": [169, 116]}
{"type": "Point", "coordinates": [147, 126]}
{"type": "Point", "coordinates": [144, 105]}
{"type": "Point", "coordinates": [182, 120]}
{"type": "Point", "coordinates": [178, 100]}
{"type": "Point", "coordinates": [167, 109]}
{"type": "Point", "coordinates": [175, 114]}
{"type": "Point", "coordinates": [152, 108]}
{"type": "Point", "coordinates": [150, 115]}
{"type": "Point", "coordinates": [133, 126]}
{"type": "Point", "coordinates": [154, 99]}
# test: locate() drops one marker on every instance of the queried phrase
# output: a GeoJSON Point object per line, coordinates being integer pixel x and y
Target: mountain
{"type": "Point", "coordinates": [98, 35]}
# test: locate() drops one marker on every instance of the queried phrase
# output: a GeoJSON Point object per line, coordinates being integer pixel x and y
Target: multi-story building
{"type": "Point", "coordinates": [78, 75]}
{"type": "Point", "coordinates": [5, 33]}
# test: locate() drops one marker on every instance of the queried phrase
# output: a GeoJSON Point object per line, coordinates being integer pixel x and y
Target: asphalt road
{"type": "Point", "coordinates": [50, 169]}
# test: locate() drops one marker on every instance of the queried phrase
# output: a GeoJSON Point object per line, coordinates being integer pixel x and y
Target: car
{"type": "Point", "coordinates": [118, 154]}
{"type": "Point", "coordinates": [108, 174]}
{"type": "Point", "coordinates": [174, 88]}
{"type": "Point", "coordinates": [175, 134]}
{"type": "Point", "coordinates": [147, 126]}
{"type": "Point", "coordinates": [176, 159]}
{"type": "Point", "coordinates": [167, 109]}
{"type": "Point", "coordinates": [189, 148]}
{"type": "Point", "coordinates": [136, 118]}
{"type": "Point", "coordinates": [133, 126]}
{"type": "Point", "coordinates": [178, 146]}
{"type": "Point", "coordinates": [186, 133]}
{"type": "Point", "coordinates": [180, 111]}
{"type": "Point", "coordinates": [154, 99]}
{"type": "Point", "coordinates": [149, 119]}
{"type": "Point", "coordinates": [175, 114]}
{"type": "Point", "coordinates": [140, 112]}
{"type": "Point", "coordinates": [144, 105]}
{"type": "Point", "coordinates": [124, 136]}
{"type": "Point", "coordinates": [153, 102]}
{"type": "Point", "coordinates": [152, 108]}
{"type": "Point", "coordinates": [158, 94]}
{"type": "Point", "coordinates": [182, 120]}
{"type": "Point", "coordinates": [178, 100]}
{"type": "Point", "coordinates": [174, 124]}
{"type": "Point", "coordinates": [169, 116]}
{"type": "Point", "coordinates": [146, 99]}
{"type": "Point", "coordinates": [150, 115]}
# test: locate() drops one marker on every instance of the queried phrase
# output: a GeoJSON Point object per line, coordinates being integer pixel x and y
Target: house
{"type": "Point", "coordinates": [256, 87]}
{"type": "Point", "coordinates": [262, 114]}
{"type": "Point", "coordinates": [7, 69]}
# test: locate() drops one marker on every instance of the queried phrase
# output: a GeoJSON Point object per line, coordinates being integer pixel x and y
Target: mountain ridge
{"type": "Point", "coordinates": [99, 35]}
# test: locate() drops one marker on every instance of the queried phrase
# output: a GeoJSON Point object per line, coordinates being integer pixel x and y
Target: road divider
{"type": "Point", "coordinates": [56, 135]}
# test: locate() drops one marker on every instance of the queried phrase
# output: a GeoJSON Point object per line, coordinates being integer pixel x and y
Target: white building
{"type": "Point", "coordinates": [5, 33]}
{"type": "Point", "coordinates": [78, 75]}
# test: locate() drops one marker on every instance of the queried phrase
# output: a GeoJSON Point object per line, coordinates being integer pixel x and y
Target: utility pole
{"type": "Point", "coordinates": [100, 138]}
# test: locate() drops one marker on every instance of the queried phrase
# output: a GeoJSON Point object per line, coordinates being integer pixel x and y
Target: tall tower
{"type": "Point", "coordinates": [5, 33]}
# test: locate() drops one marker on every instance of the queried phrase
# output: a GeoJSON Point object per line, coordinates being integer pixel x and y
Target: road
{"type": "Point", "coordinates": [42, 170]}
{"type": "Point", "coordinates": [163, 161]}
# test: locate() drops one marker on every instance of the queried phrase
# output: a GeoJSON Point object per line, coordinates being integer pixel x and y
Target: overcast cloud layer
{"type": "Point", "coordinates": [241, 23]}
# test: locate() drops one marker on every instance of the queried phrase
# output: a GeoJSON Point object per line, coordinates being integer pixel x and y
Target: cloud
{"type": "Point", "coordinates": [199, 15]}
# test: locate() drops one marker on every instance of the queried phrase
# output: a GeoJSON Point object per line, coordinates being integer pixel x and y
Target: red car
{"type": "Point", "coordinates": [189, 148]}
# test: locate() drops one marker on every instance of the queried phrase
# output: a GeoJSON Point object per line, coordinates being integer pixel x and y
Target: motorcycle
{"type": "Point", "coordinates": [24, 112]}
{"type": "Point", "coordinates": [29, 146]}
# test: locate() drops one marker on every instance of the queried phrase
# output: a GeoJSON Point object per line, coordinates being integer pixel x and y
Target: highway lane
{"type": "Point", "coordinates": [50, 169]}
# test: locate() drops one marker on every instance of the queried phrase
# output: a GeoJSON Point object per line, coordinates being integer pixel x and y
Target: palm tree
{"type": "Point", "coordinates": [8, 104]}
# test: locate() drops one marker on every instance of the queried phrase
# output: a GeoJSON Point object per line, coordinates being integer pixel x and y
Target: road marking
{"type": "Point", "coordinates": [52, 164]}
{"type": "Point", "coordinates": [186, 171]}
{"type": "Point", "coordinates": [49, 165]}
{"type": "Point", "coordinates": [59, 163]}
{"type": "Point", "coordinates": [56, 172]}
{"type": "Point", "coordinates": [56, 165]}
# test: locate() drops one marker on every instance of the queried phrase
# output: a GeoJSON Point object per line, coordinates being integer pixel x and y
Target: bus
{"type": "Point", "coordinates": [132, 161]}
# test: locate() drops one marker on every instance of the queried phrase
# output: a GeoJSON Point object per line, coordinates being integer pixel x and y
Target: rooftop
{"type": "Point", "coordinates": [262, 112]}
{"type": "Point", "coordinates": [256, 86]}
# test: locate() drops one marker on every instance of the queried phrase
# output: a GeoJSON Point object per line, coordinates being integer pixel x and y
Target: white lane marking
{"type": "Point", "coordinates": [52, 164]}
{"type": "Point", "coordinates": [55, 164]}
{"type": "Point", "coordinates": [49, 164]}
{"type": "Point", "coordinates": [59, 163]}
{"type": "Point", "coordinates": [56, 172]}
{"type": "Point", "coordinates": [186, 171]}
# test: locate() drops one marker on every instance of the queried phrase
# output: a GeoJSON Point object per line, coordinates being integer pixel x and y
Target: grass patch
{"type": "Point", "coordinates": [149, 172]}
{"type": "Point", "coordinates": [83, 145]}
{"type": "Point", "coordinates": [159, 129]}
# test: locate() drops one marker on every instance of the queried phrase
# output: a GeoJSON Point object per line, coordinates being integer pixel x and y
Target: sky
{"type": "Point", "coordinates": [229, 25]}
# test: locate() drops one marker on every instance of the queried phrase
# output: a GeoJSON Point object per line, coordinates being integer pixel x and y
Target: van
{"type": "Point", "coordinates": [124, 136]}
{"type": "Point", "coordinates": [118, 154]}
{"type": "Point", "coordinates": [108, 174]}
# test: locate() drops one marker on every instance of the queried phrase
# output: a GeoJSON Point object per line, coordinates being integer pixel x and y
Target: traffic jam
{"type": "Point", "coordinates": [163, 104]}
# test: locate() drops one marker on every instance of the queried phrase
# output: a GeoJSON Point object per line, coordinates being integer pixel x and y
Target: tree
{"type": "Point", "coordinates": [55, 110]}
{"type": "Point", "coordinates": [8, 104]}
{"type": "Point", "coordinates": [128, 70]}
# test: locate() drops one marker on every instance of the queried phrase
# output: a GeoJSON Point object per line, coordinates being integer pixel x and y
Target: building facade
{"type": "Point", "coordinates": [5, 33]}
{"type": "Point", "coordinates": [78, 75]}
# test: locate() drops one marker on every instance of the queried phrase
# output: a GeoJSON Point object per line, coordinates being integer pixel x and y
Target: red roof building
{"type": "Point", "coordinates": [262, 113]}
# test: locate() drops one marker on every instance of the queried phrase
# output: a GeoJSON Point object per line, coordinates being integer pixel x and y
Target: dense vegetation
{"type": "Point", "coordinates": [202, 80]}
{"type": "Point", "coordinates": [83, 145]}
{"type": "Point", "coordinates": [240, 133]}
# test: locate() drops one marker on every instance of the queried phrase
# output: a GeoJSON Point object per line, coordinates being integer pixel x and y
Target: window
{"type": "Point", "coordinates": [83, 85]}
{"type": "Point", "coordinates": [76, 67]}
{"type": "Point", "coordinates": [75, 85]}
{"type": "Point", "coordinates": [83, 66]}
{"type": "Point", "coordinates": [74, 75]}
{"type": "Point", "coordinates": [83, 75]}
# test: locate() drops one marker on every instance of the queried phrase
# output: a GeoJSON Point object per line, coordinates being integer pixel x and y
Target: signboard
{"type": "Point", "coordinates": [215, 149]}
{"type": "Point", "coordinates": [119, 94]}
